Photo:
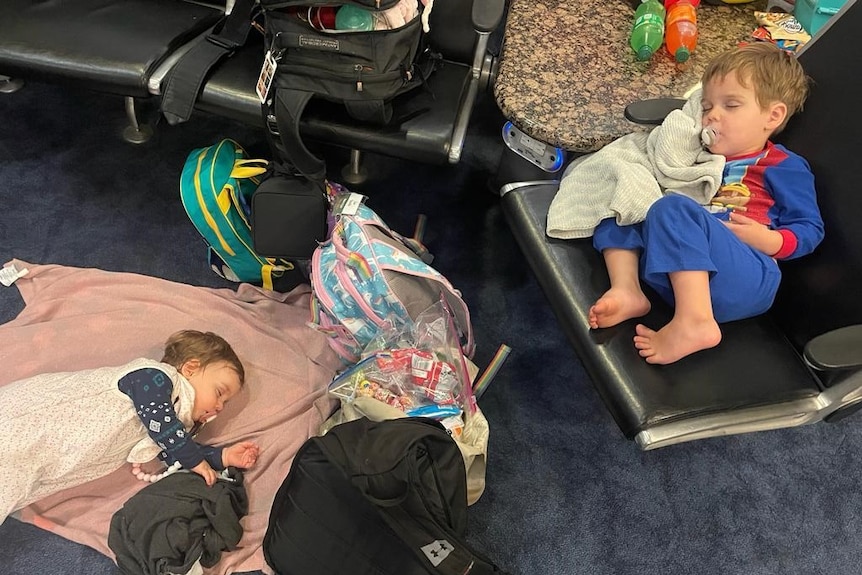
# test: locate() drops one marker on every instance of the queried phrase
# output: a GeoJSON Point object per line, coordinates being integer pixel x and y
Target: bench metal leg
{"type": "Point", "coordinates": [9, 85]}
{"type": "Point", "coordinates": [135, 132]}
{"type": "Point", "coordinates": [354, 173]}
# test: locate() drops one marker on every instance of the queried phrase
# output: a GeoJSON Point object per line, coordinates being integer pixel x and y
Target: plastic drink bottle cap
{"type": "Point", "coordinates": [644, 53]}
{"type": "Point", "coordinates": [682, 54]}
{"type": "Point", "coordinates": [353, 18]}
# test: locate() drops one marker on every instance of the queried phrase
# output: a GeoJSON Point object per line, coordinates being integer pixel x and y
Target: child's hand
{"type": "Point", "coordinates": [208, 473]}
{"type": "Point", "coordinates": [243, 454]}
{"type": "Point", "coordinates": [755, 234]}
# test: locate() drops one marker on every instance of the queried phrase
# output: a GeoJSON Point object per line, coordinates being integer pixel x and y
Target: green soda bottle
{"type": "Point", "coordinates": [648, 29]}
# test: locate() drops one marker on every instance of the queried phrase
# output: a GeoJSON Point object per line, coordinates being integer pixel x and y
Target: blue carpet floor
{"type": "Point", "coordinates": [566, 493]}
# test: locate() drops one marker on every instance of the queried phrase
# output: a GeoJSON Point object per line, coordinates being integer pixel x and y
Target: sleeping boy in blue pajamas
{"type": "Point", "coordinates": [715, 268]}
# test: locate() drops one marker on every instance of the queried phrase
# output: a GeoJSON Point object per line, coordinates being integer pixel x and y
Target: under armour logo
{"type": "Point", "coordinates": [437, 551]}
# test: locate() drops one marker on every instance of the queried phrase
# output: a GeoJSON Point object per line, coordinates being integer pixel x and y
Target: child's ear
{"type": "Point", "coordinates": [777, 114]}
{"type": "Point", "coordinates": [190, 367]}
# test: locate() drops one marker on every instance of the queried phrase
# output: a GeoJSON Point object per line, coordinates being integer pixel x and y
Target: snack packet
{"type": "Point", "coordinates": [782, 28]}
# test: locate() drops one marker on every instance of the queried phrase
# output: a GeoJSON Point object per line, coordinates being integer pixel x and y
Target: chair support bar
{"type": "Point", "coordinates": [789, 414]}
{"type": "Point", "coordinates": [465, 109]}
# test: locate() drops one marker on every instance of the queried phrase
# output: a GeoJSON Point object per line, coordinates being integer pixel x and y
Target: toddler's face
{"type": "Point", "coordinates": [731, 110]}
{"type": "Point", "coordinates": [214, 385]}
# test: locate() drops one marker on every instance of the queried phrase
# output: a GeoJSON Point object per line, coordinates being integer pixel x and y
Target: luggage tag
{"type": "Point", "coordinates": [348, 203]}
{"type": "Point", "coordinates": [267, 73]}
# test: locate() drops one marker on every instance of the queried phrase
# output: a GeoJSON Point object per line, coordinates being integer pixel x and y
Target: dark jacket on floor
{"type": "Point", "coordinates": [167, 526]}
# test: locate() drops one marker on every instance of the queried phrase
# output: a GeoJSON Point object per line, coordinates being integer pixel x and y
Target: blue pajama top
{"type": "Point", "coordinates": [775, 187]}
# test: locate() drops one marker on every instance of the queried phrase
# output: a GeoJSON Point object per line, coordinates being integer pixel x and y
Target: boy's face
{"type": "Point", "coordinates": [214, 385]}
{"type": "Point", "coordinates": [741, 126]}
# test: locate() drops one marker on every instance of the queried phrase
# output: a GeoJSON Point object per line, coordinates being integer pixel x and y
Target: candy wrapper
{"type": "Point", "coordinates": [413, 371]}
{"type": "Point", "coordinates": [418, 369]}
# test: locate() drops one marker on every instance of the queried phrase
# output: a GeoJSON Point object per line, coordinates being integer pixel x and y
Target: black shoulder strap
{"type": "Point", "coordinates": [185, 79]}
{"type": "Point", "coordinates": [288, 107]}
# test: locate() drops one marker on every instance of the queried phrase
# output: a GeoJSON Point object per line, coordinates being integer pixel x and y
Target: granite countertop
{"type": "Point", "coordinates": [567, 72]}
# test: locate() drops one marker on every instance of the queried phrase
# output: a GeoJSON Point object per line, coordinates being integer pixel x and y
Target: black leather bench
{"type": "Point", "coordinates": [127, 47]}
{"type": "Point", "coordinates": [797, 364]}
{"type": "Point", "coordinates": [107, 45]}
{"type": "Point", "coordinates": [113, 46]}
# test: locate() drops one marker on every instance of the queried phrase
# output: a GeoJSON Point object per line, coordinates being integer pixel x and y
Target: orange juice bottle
{"type": "Point", "coordinates": [681, 29]}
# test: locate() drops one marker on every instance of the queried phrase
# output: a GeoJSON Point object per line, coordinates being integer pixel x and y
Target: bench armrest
{"type": "Point", "coordinates": [652, 111]}
{"type": "Point", "coordinates": [487, 14]}
{"type": "Point", "coordinates": [838, 349]}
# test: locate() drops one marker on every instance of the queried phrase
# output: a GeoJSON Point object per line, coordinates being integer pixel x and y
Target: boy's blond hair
{"type": "Point", "coordinates": [773, 73]}
{"type": "Point", "coordinates": [206, 347]}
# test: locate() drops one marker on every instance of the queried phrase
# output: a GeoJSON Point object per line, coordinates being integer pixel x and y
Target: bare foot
{"type": "Point", "coordinates": [616, 306]}
{"type": "Point", "coordinates": [676, 340]}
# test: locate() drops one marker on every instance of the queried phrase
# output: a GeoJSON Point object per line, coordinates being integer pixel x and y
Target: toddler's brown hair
{"type": "Point", "coordinates": [206, 347]}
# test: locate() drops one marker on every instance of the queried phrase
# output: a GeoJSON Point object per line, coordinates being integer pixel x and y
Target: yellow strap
{"type": "Point", "coordinates": [248, 168]}
{"type": "Point", "coordinates": [199, 194]}
{"type": "Point", "coordinates": [272, 270]}
{"type": "Point", "coordinates": [280, 266]}
{"type": "Point", "coordinates": [251, 162]}
{"type": "Point", "coordinates": [266, 275]}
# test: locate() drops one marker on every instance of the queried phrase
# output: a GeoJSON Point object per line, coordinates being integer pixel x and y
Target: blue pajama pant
{"type": "Point", "coordinates": [678, 234]}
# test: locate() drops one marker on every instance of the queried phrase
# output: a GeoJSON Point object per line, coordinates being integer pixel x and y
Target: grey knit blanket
{"type": "Point", "coordinates": [625, 177]}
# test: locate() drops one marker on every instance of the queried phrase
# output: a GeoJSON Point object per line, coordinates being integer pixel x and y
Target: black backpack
{"type": "Point", "coordinates": [363, 70]}
{"type": "Point", "coordinates": [381, 498]}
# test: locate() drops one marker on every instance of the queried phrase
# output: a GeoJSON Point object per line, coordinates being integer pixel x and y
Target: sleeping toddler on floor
{"type": "Point", "coordinates": [60, 430]}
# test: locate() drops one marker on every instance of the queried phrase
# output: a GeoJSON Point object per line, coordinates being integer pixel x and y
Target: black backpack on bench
{"type": "Point", "coordinates": [363, 70]}
{"type": "Point", "coordinates": [374, 498]}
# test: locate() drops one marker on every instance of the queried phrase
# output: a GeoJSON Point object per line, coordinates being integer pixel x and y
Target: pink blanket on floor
{"type": "Point", "coordinates": [83, 318]}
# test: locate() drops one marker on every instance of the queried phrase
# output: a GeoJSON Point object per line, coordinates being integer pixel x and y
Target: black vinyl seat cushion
{"type": "Point", "coordinates": [421, 128]}
{"type": "Point", "coordinates": [107, 45]}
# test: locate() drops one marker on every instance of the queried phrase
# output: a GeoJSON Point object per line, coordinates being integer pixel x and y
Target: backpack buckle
{"type": "Point", "coordinates": [223, 42]}
{"type": "Point", "coordinates": [272, 124]}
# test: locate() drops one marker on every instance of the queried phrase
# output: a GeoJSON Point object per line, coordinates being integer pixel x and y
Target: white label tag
{"type": "Point", "coordinates": [351, 205]}
{"type": "Point", "coordinates": [267, 73]}
{"type": "Point", "coordinates": [10, 274]}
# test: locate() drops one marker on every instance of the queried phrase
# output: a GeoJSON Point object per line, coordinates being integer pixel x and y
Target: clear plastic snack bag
{"type": "Point", "coordinates": [418, 369]}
